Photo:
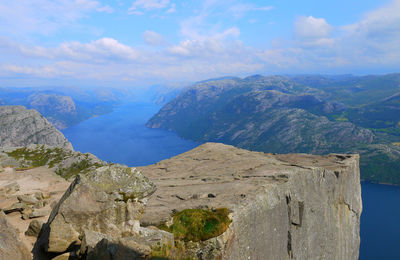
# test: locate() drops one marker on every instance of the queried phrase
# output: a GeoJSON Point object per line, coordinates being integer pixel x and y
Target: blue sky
{"type": "Point", "coordinates": [143, 42]}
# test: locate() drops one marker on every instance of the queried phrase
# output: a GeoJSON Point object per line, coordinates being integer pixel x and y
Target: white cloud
{"type": "Point", "coordinates": [172, 9]}
{"type": "Point", "coordinates": [210, 49]}
{"type": "Point", "coordinates": [312, 32]}
{"type": "Point", "coordinates": [139, 7]}
{"type": "Point", "coordinates": [153, 38]}
{"type": "Point", "coordinates": [44, 16]}
{"type": "Point", "coordinates": [241, 9]}
{"type": "Point", "coordinates": [105, 9]}
{"type": "Point", "coordinates": [101, 50]}
{"type": "Point", "coordinates": [311, 27]}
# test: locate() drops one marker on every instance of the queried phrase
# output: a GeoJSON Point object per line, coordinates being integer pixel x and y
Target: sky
{"type": "Point", "coordinates": [145, 42]}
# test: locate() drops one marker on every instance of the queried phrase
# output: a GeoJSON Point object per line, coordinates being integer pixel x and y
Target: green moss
{"type": "Point", "coordinates": [39, 157]}
{"type": "Point", "coordinates": [52, 157]}
{"type": "Point", "coordinates": [80, 167]}
{"type": "Point", "coordinates": [198, 224]}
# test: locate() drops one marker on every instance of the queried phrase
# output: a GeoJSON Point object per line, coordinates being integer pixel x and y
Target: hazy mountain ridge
{"type": "Point", "coordinates": [282, 114]}
{"type": "Point", "coordinates": [63, 108]}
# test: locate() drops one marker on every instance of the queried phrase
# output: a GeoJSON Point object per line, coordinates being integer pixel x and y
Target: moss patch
{"type": "Point", "coordinates": [79, 167]}
{"type": "Point", "coordinates": [53, 158]}
{"type": "Point", "coordinates": [198, 224]}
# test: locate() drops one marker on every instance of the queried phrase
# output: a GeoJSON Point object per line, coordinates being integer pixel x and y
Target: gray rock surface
{"type": "Point", "coordinates": [293, 206]}
{"type": "Point", "coordinates": [21, 127]}
{"type": "Point", "coordinates": [10, 245]}
{"type": "Point", "coordinates": [34, 228]}
{"type": "Point", "coordinates": [107, 200]}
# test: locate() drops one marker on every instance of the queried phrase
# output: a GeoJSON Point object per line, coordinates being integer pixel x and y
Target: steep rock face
{"type": "Point", "coordinates": [56, 108]}
{"type": "Point", "coordinates": [292, 206]}
{"type": "Point", "coordinates": [269, 116]}
{"type": "Point", "coordinates": [10, 245]}
{"type": "Point", "coordinates": [21, 127]}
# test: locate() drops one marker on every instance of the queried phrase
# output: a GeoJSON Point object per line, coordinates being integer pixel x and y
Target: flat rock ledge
{"type": "Point", "coordinates": [293, 206]}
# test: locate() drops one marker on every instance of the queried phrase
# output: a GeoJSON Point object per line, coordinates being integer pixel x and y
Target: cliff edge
{"type": "Point", "coordinates": [21, 127]}
{"type": "Point", "coordinates": [292, 206]}
{"type": "Point", "coordinates": [213, 202]}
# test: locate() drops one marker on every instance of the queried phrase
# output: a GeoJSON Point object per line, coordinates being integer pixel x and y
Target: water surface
{"type": "Point", "coordinates": [380, 222]}
{"type": "Point", "coordinates": [122, 137]}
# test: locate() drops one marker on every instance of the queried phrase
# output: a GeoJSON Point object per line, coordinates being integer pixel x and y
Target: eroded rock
{"type": "Point", "coordinates": [106, 200]}
{"type": "Point", "coordinates": [34, 228]}
{"type": "Point", "coordinates": [10, 246]}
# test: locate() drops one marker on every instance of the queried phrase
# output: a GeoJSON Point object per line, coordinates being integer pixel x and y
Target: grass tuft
{"type": "Point", "coordinates": [198, 224]}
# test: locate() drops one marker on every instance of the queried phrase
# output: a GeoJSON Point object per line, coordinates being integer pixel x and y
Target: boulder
{"type": "Point", "coordinates": [9, 188]}
{"type": "Point", "coordinates": [34, 228]}
{"type": "Point", "coordinates": [10, 246]}
{"type": "Point", "coordinates": [37, 213]}
{"type": "Point", "coordinates": [18, 206]}
{"type": "Point", "coordinates": [107, 200]}
{"type": "Point", "coordinates": [29, 199]}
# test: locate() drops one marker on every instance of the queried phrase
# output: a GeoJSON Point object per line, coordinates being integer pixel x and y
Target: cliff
{"type": "Point", "coordinates": [21, 127]}
{"type": "Point", "coordinates": [284, 115]}
{"type": "Point", "coordinates": [213, 202]}
{"type": "Point", "coordinates": [293, 206]}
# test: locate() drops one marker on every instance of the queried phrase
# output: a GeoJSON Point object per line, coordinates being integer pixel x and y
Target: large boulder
{"type": "Point", "coordinates": [108, 200]}
{"type": "Point", "coordinates": [10, 246]}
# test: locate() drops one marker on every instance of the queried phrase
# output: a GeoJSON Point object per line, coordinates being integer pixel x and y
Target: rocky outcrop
{"type": "Point", "coordinates": [63, 161]}
{"type": "Point", "coordinates": [10, 245]}
{"type": "Point", "coordinates": [105, 206]}
{"type": "Point", "coordinates": [293, 206]}
{"type": "Point", "coordinates": [22, 127]}
{"type": "Point", "coordinates": [213, 202]}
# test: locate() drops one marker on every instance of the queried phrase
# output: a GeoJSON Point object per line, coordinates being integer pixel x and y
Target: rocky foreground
{"type": "Point", "coordinates": [213, 202]}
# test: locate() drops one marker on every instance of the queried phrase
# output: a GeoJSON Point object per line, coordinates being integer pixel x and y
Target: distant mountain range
{"type": "Point", "coordinates": [286, 114]}
{"type": "Point", "coordinates": [68, 106]}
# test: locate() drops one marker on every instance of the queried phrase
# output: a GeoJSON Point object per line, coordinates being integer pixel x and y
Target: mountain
{"type": "Point", "coordinates": [20, 127]}
{"type": "Point", "coordinates": [63, 107]}
{"type": "Point", "coordinates": [307, 114]}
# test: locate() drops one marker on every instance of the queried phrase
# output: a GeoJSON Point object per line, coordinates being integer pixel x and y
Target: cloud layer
{"type": "Point", "coordinates": [205, 49]}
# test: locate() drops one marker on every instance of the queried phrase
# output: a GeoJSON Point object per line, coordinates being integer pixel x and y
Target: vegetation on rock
{"type": "Point", "coordinates": [65, 162]}
{"type": "Point", "coordinates": [199, 224]}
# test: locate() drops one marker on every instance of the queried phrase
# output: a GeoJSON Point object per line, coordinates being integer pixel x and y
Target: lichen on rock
{"type": "Point", "coordinates": [91, 203]}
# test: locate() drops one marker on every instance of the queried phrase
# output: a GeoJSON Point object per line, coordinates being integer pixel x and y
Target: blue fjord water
{"type": "Point", "coordinates": [122, 137]}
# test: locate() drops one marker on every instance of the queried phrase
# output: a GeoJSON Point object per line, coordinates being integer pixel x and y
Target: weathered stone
{"type": "Point", "coordinates": [293, 206]}
{"type": "Point", "coordinates": [18, 206]}
{"type": "Point", "coordinates": [34, 228]}
{"type": "Point", "coordinates": [93, 202]}
{"type": "Point", "coordinates": [21, 127]}
{"type": "Point", "coordinates": [37, 213]}
{"type": "Point", "coordinates": [26, 212]}
{"type": "Point", "coordinates": [29, 199]}
{"type": "Point", "coordinates": [10, 188]}
{"type": "Point", "coordinates": [121, 249]}
{"type": "Point", "coordinates": [10, 246]}
{"type": "Point", "coordinates": [90, 240]}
